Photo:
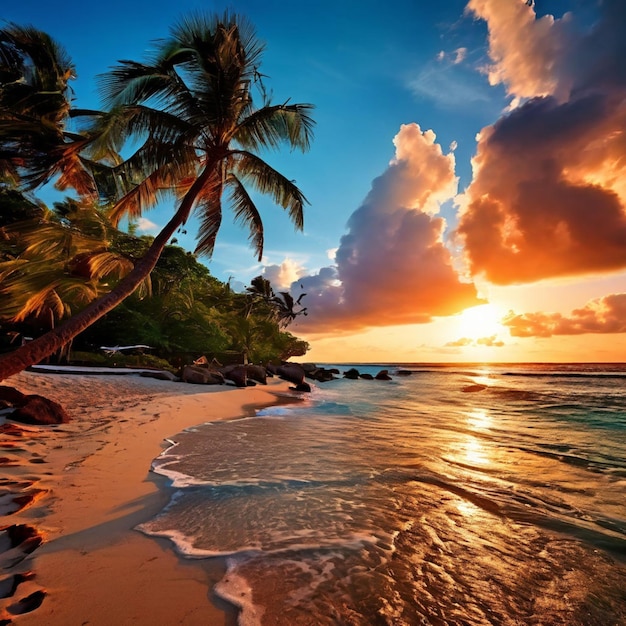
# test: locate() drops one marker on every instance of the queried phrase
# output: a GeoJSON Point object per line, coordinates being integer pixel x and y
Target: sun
{"type": "Point", "coordinates": [480, 321]}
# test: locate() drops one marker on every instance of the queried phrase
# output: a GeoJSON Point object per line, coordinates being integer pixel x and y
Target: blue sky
{"type": "Point", "coordinates": [367, 66]}
{"type": "Point", "coordinates": [407, 93]}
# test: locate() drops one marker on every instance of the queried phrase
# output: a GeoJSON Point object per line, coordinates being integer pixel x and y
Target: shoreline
{"type": "Point", "coordinates": [95, 484]}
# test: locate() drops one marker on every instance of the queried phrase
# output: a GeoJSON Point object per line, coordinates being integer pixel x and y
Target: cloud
{"type": "Point", "coordinates": [464, 342]}
{"type": "Point", "coordinates": [392, 266]}
{"type": "Point", "coordinates": [282, 276]}
{"type": "Point", "coordinates": [460, 343]}
{"type": "Point", "coordinates": [447, 82]}
{"type": "Point", "coordinates": [599, 316]}
{"type": "Point", "coordinates": [459, 55]}
{"type": "Point", "coordinates": [490, 342]}
{"type": "Point", "coordinates": [548, 196]}
{"type": "Point", "coordinates": [144, 225]}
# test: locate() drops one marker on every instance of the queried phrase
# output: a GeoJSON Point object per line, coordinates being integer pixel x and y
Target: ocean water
{"type": "Point", "coordinates": [461, 494]}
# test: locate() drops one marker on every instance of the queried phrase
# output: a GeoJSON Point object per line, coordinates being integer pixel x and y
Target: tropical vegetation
{"type": "Point", "coordinates": [194, 136]}
{"type": "Point", "coordinates": [181, 312]}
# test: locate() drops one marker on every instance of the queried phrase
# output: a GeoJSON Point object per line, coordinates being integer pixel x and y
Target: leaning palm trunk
{"type": "Point", "coordinates": [34, 351]}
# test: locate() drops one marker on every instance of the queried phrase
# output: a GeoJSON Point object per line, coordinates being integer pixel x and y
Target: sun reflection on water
{"type": "Point", "coordinates": [475, 452]}
{"type": "Point", "coordinates": [467, 508]}
{"type": "Point", "coordinates": [479, 419]}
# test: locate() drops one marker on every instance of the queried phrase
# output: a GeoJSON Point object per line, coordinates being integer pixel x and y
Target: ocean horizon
{"type": "Point", "coordinates": [455, 493]}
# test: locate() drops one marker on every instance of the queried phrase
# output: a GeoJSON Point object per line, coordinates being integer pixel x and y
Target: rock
{"type": "Point", "coordinates": [40, 411]}
{"type": "Point", "coordinates": [271, 369]}
{"type": "Point", "coordinates": [257, 373]}
{"type": "Point", "coordinates": [11, 396]}
{"type": "Point", "coordinates": [383, 375]}
{"type": "Point", "coordinates": [160, 375]}
{"type": "Point", "coordinates": [366, 376]}
{"type": "Point", "coordinates": [199, 375]}
{"type": "Point", "coordinates": [352, 374]}
{"type": "Point", "coordinates": [237, 374]}
{"type": "Point", "coordinates": [404, 372]}
{"type": "Point", "coordinates": [291, 372]}
{"type": "Point", "coordinates": [309, 367]}
{"type": "Point", "coordinates": [304, 386]}
{"type": "Point", "coordinates": [320, 374]}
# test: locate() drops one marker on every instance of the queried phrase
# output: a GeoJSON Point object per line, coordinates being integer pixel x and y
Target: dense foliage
{"type": "Point", "coordinates": [47, 258]}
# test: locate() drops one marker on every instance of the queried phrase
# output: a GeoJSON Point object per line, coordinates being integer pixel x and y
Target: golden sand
{"type": "Point", "coordinates": [84, 486]}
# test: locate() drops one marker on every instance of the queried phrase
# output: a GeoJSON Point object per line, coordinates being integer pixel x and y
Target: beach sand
{"type": "Point", "coordinates": [84, 486]}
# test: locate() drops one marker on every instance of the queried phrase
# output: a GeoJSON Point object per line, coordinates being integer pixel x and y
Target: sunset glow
{"type": "Point", "coordinates": [466, 189]}
{"type": "Point", "coordinates": [481, 321]}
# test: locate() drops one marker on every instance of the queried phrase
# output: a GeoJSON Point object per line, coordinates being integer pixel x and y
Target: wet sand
{"type": "Point", "coordinates": [71, 496]}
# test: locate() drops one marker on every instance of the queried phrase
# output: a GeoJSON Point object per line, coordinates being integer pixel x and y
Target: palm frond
{"type": "Point", "coordinates": [209, 211]}
{"type": "Point", "coordinates": [271, 126]}
{"type": "Point", "coordinates": [106, 264]}
{"type": "Point", "coordinates": [247, 214]}
{"type": "Point", "coordinates": [252, 169]}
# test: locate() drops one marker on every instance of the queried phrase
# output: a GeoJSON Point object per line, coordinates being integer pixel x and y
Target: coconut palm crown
{"type": "Point", "coordinates": [191, 108]}
{"type": "Point", "coordinates": [188, 113]}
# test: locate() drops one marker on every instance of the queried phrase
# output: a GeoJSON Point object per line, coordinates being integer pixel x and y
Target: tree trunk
{"type": "Point", "coordinates": [34, 351]}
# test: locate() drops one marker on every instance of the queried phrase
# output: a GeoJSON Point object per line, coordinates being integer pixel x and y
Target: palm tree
{"type": "Point", "coordinates": [191, 110]}
{"type": "Point", "coordinates": [35, 108]}
{"type": "Point", "coordinates": [283, 309]}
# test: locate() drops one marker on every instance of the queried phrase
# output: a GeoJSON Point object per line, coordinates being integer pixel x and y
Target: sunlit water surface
{"type": "Point", "coordinates": [427, 499]}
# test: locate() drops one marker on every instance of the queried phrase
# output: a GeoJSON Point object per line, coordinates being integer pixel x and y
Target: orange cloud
{"type": "Point", "coordinates": [490, 342]}
{"type": "Point", "coordinates": [548, 197]}
{"type": "Point", "coordinates": [602, 315]}
{"type": "Point", "coordinates": [392, 266]}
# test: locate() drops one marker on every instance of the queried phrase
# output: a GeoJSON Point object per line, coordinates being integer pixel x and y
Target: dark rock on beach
{"type": "Point", "coordinates": [237, 374]}
{"type": "Point", "coordinates": [366, 376]}
{"type": "Point", "coordinates": [383, 375]}
{"type": "Point", "coordinates": [272, 370]}
{"type": "Point", "coordinates": [198, 375]}
{"type": "Point", "coordinates": [11, 396]}
{"type": "Point", "coordinates": [40, 411]}
{"type": "Point", "coordinates": [352, 374]}
{"type": "Point", "coordinates": [319, 374]}
{"type": "Point", "coordinates": [291, 372]}
{"type": "Point", "coordinates": [257, 373]}
{"type": "Point", "coordinates": [304, 386]}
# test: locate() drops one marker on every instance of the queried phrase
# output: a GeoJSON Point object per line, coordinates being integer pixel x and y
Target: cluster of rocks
{"type": "Point", "coordinates": [31, 409]}
{"type": "Point", "coordinates": [354, 373]}
{"type": "Point", "coordinates": [203, 372]}
{"type": "Point", "coordinates": [212, 373]}
{"type": "Point", "coordinates": [35, 409]}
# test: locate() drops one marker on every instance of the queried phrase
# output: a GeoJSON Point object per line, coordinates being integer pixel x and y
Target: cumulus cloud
{"type": "Point", "coordinates": [548, 196]}
{"type": "Point", "coordinates": [282, 276]}
{"type": "Point", "coordinates": [392, 266]}
{"type": "Point", "coordinates": [602, 315]}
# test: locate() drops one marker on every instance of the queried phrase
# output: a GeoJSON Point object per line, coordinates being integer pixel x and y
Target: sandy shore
{"type": "Point", "coordinates": [84, 486]}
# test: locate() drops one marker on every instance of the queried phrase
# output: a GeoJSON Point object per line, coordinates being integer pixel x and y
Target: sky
{"type": "Point", "coordinates": [466, 183]}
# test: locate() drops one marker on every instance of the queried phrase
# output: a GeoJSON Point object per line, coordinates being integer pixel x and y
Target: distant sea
{"type": "Point", "coordinates": [457, 494]}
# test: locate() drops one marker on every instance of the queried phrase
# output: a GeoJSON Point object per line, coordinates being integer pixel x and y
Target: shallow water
{"type": "Point", "coordinates": [455, 495]}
